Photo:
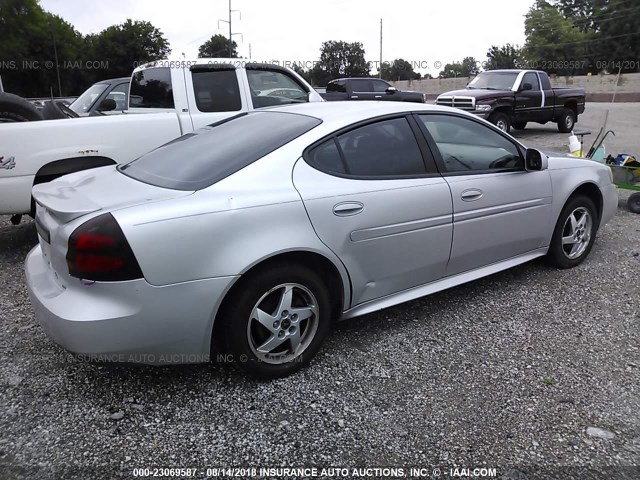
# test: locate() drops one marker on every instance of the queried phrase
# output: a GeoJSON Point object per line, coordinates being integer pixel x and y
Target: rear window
{"type": "Point", "coordinates": [217, 91]}
{"type": "Point", "coordinates": [200, 159]}
{"type": "Point", "coordinates": [151, 88]}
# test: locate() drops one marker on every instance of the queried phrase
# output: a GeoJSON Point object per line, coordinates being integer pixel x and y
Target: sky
{"type": "Point", "coordinates": [428, 33]}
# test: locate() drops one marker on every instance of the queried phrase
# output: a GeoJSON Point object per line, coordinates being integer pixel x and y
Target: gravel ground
{"type": "Point", "coordinates": [517, 372]}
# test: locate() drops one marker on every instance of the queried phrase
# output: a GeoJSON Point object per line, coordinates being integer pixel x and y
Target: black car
{"type": "Point", "coordinates": [368, 89]}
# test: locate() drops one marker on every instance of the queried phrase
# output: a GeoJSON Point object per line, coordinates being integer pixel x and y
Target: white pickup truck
{"type": "Point", "coordinates": [167, 99]}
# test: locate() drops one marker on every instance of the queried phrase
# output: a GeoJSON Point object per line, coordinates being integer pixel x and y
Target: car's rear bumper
{"type": "Point", "coordinates": [129, 321]}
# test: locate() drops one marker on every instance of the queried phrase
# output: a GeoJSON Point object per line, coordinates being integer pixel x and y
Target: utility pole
{"type": "Point", "coordinates": [380, 67]}
{"type": "Point", "coordinates": [231, 34]}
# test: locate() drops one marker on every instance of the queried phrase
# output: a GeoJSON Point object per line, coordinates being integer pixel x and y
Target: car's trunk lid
{"type": "Point", "coordinates": [75, 195]}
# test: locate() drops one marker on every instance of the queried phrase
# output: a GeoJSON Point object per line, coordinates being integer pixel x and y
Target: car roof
{"type": "Point", "coordinates": [350, 112]}
{"type": "Point", "coordinates": [114, 80]}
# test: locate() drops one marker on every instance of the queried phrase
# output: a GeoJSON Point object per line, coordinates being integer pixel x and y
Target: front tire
{"type": "Point", "coordinates": [501, 120]}
{"type": "Point", "coordinates": [567, 120]}
{"type": "Point", "coordinates": [574, 233]}
{"type": "Point", "coordinates": [275, 321]}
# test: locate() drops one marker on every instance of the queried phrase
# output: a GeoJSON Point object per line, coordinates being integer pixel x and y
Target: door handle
{"type": "Point", "coordinates": [378, 96]}
{"type": "Point", "coordinates": [471, 195]}
{"type": "Point", "coordinates": [354, 96]}
{"type": "Point", "coordinates": [347, 209]}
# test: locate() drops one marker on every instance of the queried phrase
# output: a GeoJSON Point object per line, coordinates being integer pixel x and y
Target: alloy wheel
{"type": "Point", "coordinates": [283, 323]}
{"type": "Point", "coordinates": [576, 233]}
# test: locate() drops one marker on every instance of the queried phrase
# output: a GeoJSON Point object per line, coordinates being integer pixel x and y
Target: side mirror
{"type": "Point", "coordinates": [526, 86]}
{"type": "Point", "coordinates": [535, 160]}
{"type": "Point", "coordinates": [107, 105]}
{"type": "Point", "coordinates": [391, 90]}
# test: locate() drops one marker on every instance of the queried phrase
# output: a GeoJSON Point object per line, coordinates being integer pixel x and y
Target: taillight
{"type": "Point", "coordinates": [98, 250]}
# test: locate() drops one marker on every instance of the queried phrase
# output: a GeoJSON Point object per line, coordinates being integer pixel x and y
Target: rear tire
{"type": "Point", "coordinates": [574, 233]}
{"type": "Point", "coordinates": [275, 320]}
{"type": "Point", "coordinates": [567, 121]}
{"type": "Point", "coordinates": [16, 109]}
{"type": "Point", "coordinates": [634, 203]}
{"type": "Point", "coordinates": [501, 120]}
{"type": "Point", "coordinates": [519, 125]}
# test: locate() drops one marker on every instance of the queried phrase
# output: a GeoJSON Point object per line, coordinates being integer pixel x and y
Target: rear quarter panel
{"type": "Point", "coordinates": [226, 229]}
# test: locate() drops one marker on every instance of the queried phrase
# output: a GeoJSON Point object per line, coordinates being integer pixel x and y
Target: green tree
{"type": "Point", "coordinates": [470, 67]}
{"type": "Point", "coordinates": [553, 42]}
{"type": "Point", "coordinates": [129, 44]}
{"type": "Point", "coordinates": [451, 70]}
{"type": "Point", "coordinates": [505, 56]}
{"type": "Point", "coordinates": [399, 69]}
{"type": "Point", "coordinates": [218, 47]}
{"type": "Point", "coordinates": [27, 54]}
{"type": "Point", "coordinates": [612, 29]}
{"type": "Point", "coordinates": [339, 59]}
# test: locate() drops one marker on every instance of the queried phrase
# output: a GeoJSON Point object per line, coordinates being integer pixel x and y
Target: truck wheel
{"type": "Point", "coordinates": [566, 121]}
{"type": "Point", "coordinates": [519, 125]}
{"type": "Point", "coordinates": [16, 109]}
{"type": "Point", "coordinates": [501, 120]}
{"type": "Point", "coordinates": [634, 203]}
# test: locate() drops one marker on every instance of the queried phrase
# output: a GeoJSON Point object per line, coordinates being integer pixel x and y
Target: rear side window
{"type": "Point", "coordinates": [151, 88]}
{"type": "Point", "coordinates": [385, 149]}
{"type": "Point", "coordinates": [198, 160]}
{"type": "Point", "coordinates": [546, 84]}
{"type": "Point", "coordinates": [361, 85]}
{"type": "Point", "coordinates": [217, 91]}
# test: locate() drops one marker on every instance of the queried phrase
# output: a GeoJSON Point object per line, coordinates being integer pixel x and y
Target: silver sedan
{"type": "Point", "coordinates": [250, 236]}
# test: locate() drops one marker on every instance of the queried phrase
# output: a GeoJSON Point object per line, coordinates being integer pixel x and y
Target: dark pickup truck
{"type": "Point", "coordinates": [368, 89]}
{"type": "Point", "coordinates": [511, 98]}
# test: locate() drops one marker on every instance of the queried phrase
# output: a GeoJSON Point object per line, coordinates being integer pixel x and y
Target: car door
{"type": "Point", "coordinates": [361, 89]}
{"type": "Point", "coordinates": [380, 92]}
{"type": "Point", "coordinates": [529, 103]}
{"type": "Point", "coordinates": [500, 210]}
{"type": "Point", "coordinates": [378, 206]}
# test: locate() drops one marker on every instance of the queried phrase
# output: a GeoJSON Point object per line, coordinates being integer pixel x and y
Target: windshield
{"type": "Point", "coordinates": [494, 81]}
{"type": "Point", "coordinates": [83, 103]}
{"type": "Point", "coordinates": [200, 159]}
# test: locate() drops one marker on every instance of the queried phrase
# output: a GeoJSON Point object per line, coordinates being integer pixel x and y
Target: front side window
{"type": "Point", "coordinates": [216, 90]}
{"type": "Point", "coordinates": [119, 95]}
{"type": "Point", "coordinates": [151, 88]}
{"type": "Point", "coordinates": [383, 149]}
{"type": "Point", "coordinates": [468, 146]}
{"type": "Point", "coordinates": [269, 88]}
{"type": "Point", "coordinates": [83, 103]}
{"type": "Point", "coordinates": [379, 86]}
{"type": "Point", "coordinates": [338, 87]}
